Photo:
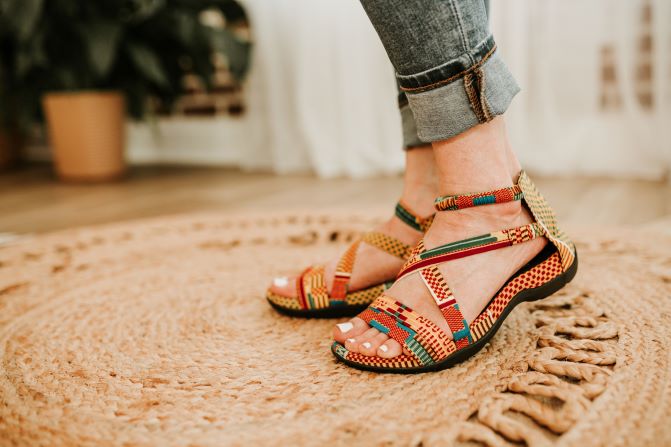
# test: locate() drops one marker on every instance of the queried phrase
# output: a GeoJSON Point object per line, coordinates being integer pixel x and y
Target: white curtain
{"type": "Point", "coordinates": [596, 84]}
{"type": "Point", "coordinates": [321, 92]}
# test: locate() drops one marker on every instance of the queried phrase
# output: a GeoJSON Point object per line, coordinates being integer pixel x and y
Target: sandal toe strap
{"type": "Point", "coordinates": [384, 242]}
{"type": "Point", "coordinates": [343, 273]}
{"type": "Point", "coordinates": [311, 288]}
{"type": "Point", "coordinates": [418, 335]}
{"type": "Point", "coordinates": [442, 295]}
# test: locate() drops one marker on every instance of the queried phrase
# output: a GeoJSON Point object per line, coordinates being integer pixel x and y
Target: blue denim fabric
{"type": "Point", "coordinates": [409, 126]}
{"type": "Point", "coordinates": [446, 63]}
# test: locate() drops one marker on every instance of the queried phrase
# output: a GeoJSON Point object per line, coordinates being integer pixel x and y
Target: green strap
{"type": "Point", "coordinates": [411, 220]}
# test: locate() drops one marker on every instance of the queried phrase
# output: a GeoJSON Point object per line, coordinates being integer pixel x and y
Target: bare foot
{"type": "Point", "coordinates": [474, 280]}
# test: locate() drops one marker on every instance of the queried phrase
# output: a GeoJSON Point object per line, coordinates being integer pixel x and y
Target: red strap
{"type": "Point", "coordinates": [442, 295]}
{"type": "Point", "coordinates": [471, 246]}
{"type": "Point", "coordinates": [461, 201]}
{"type": "Point", "coordinates": [343, 273]}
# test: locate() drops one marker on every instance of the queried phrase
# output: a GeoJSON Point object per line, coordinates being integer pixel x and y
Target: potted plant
{"type": "Point", "coordinates": [94, 62]}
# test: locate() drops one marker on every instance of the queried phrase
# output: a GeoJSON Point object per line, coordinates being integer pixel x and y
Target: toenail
{"type": "Point", "coordinates": [351, 340]}
{"type": "Point", "coordinates": [345, 327]}
{"type": "Point", "coordinates": [366, 345]}
{"type": "Point", "coordinates": [384, 348]}
{"type": "Point", "coordinates": [281, 281]}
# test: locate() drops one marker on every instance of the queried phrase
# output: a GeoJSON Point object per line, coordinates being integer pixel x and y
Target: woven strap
{"type": "Point", "coordinates": [409, 218]}
{"type": "Point", "coordinates": [311, 288]}
{"type": "Point", "coordinates": [459, 202]}
{"type": "Point", "coordinates": [526, 190]}
{"type": "Point", "coordinates": [409, 329]}
{"type": "Point", "coordinates": [388, 244]}
{"type": "Point", "coordinates": [426, 262]}
{"type": "Point", "coordinates": [545, 216]}
{"type": "Point", "coordinates": [345, 266]}
{"type": "Point", "coordinates": [343, 273]}
{"type": "Point", "coordinates": [442, 295]}
{"type": "Point", "coordinates": [422, 338]}
{"type": "Point", "coordinates": [311, 285]}
{"type": "Point", "coordinates": [471, 246]}
{"type": "Point", "coordinates": [384, 242]}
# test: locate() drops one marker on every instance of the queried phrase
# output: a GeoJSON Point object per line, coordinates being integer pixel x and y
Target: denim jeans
{"type": "Point", "coordinates": [446, 65]}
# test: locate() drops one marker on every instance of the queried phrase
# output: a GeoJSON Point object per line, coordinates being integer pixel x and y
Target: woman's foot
{"type": "Point", "coordinates": [473, 280]}
{"type": "Point", "coordinates": [373, 265]}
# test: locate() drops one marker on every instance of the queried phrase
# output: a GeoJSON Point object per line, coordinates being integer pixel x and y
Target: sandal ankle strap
{"type": "Point", "coordinates": [410, 219]}
{"type": "Point", "coordinates": [461, 201]}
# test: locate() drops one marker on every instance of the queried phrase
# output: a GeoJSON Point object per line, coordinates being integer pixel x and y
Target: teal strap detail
{"type": "Point", "coordinates": [459, 245]}
{"type": "Point", "coordinates": [459, 202]}
{"type": "Point", "coordinates": [411, 220]}
{"type": "Point", "coordinates": [463, 333]}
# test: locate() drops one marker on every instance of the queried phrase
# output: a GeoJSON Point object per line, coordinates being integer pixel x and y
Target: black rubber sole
{"type": "Point", "coordinates": [536, 294]}
{"type": "Point", "coordinates": [327, 312]}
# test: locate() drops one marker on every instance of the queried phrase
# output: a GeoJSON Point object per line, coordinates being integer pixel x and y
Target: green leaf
{"type": "Point", "coordinates": [24, 14]}
{"type": "Point", "coordinates": [148, 63]}
{"type": "Point", "coordinates": [185, 26]}
{"type": "Point", "coordinates": [30, 54]}
{"type": "Point", "coordinates": [235, 50]}
{"type": "Point", "coordinates": [102, 39]}
{"type": "Point", "coordinates": [139, 10]}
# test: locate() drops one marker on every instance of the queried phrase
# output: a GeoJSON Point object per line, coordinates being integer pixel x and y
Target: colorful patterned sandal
{"type": "Point", "coordinates": [314, 301]}
{"type": "Point", "coordinates": [431, 348]}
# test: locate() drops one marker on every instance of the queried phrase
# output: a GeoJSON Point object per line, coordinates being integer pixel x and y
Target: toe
{"type": "Point", "coordinates": [349, 329]}
{"type": "Point", "coordinates": [363, 341]}
{"type": "Point", "coordinates": [283, 286]}
{"type": "Point", "coordinates": [371, 346]}
{"type": "Point", "coordinates": [389, 349]}
{"type": "Point", "coordinates": [352, 344]}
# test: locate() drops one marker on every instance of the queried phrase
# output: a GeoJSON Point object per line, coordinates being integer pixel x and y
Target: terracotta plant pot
{"type": "Point", "coordinates": [87, 133]}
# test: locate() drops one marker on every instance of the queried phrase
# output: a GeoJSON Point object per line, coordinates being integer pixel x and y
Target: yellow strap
{"type": "Point", "coordinates": [388, 244]}
{"type": "Point", "coordinates": [343, 271]}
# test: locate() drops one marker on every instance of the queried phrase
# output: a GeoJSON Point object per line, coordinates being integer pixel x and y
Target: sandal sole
{"type": "Point", "coordinates": [327, 312]}
{"type": "Point", "coordinates": [535, 294]}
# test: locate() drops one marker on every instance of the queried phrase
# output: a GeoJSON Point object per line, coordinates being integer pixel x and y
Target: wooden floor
{"type": "Point", "coordinates": [33, 201]}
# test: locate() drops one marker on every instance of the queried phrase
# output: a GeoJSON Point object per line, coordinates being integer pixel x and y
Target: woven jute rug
{"type": "Point", "coordinates": [156, 333]}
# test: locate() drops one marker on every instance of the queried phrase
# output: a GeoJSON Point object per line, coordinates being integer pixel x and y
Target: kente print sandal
{"type": "Point", "coordinates": [313, 300]}
{"type": "Point", "coordinates": [432, 349]}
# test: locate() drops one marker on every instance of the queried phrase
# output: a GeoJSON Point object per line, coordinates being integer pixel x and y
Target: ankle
{"type": "Point", "coordinates": [508, 212]}
{"type": "Point", "coordinates": [501, 216]}
{"type": "Point", "coordinates": [480, 159]}
{"type": "Point", "coordinates": [420, 181]}
{"type": "Point", "coordinates": [419, 198]}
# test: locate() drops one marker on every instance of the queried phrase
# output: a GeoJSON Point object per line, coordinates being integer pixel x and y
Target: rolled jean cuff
{"type": "Point", "coordinates": [410, 137]}
{"type": "Point", "coordinates": [475, 96]}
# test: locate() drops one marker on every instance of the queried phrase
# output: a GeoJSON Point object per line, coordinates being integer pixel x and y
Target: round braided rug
{"type": "Point", "coordinates": [156, 333]}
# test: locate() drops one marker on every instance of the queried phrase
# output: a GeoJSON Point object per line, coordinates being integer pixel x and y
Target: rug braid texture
{"type": "Point", "coordinates": [156, 332]}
